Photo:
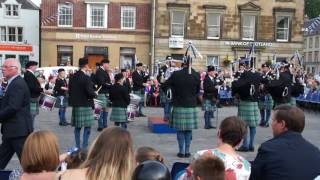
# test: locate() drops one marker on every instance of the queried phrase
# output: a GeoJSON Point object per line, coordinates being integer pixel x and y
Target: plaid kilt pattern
{"type": "Point", "coordinates": [266, 102]}
{"type": "Point", "coordinates": [104, 99]}
{"type": "Point", "coordinates": [249, 112]}
{"type": "Point", "coordinates": [64, 103]}
{"type": "Point", "coordinates": [34, 108]}
{"type": "Point", "coordinates": [208, 105]}
{"type": "Point", "coordinates": [293, 101]}
{"type": "Point", "coordinates": [82, 117]}
{"type": "Point", "coordinates": [119, 114]}
{"type": "Point", "coordinates": [140, 94]}
{"type": "Point", "coordinates": [184, 119]}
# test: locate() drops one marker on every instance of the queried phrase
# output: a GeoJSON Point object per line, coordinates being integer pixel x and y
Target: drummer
{"type": "Point", "coordinates": [103, 83]}
{"type": "Point", "coordinates": [81, 95]}
{"type": "Point", "coordinates": [60, 91]}
{"type": "Point", "coordinates": [139, 83]}
{"type": "Point", "coordinates": [120, 98]}
{"type": "Point", "coordinates": [34, 87]}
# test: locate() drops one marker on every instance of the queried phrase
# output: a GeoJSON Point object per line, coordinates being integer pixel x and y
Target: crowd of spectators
{"type": "Point", "coordinates": [111, 156]}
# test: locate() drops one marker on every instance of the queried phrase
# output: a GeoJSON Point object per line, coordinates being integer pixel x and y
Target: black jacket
{"type": "Point", "coordinates": [119, 96]}
{"type": "Point", "coordinates": [33, 84]}
{"type": "Point", "coordinates": [277, 88]}
{"type": "Point", "coordinates": [287, 156]}
{"type": "Point", "coordinates": [102, 79]}
{"type": "Point", "coordinates": [57, 88]}
{"type": "Point", "coordinates": [15, 114]}
{"type": "Point", "coordinates": [248, 83]}
{"type": "Point", "coordinates": [138, 80]}
{"type": "Point", "coordinates": [81, 92]}
{"type": "Point", "coordinates": [185, 87]}
{"type": "Point", "coordinates": [127, 84]}
{"type": "Point", "coordinates": [209, 87]}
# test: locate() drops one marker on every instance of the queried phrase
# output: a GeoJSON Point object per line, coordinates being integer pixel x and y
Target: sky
{"type": "Point", "coordinates": [37, 2]}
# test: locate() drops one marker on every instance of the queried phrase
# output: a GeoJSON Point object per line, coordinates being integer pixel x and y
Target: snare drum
{"type": "Point", "coordinates": [97, 108]}
{"type": "Point", "coordinates": [135, 99]}
{"type": "Point", "coordinates": [132, 111]}
{"type": "Point", "coordinates": [47, 102]}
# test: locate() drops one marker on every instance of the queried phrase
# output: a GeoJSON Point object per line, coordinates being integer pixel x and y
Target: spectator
{"type": "Point", "coordinates": [110, 157]}
{"type": "Point", "coordinates": [232, 131]}
{"type": "Point", "coordinates": [76, 158]}
{"type": "Point", "coordinates": [151, 170]}
{"type": "Point", "coordinates": [148, 153]}
{"type": "Point", "coordinates": [40, 157]}
{"type": "Point", "coordinates": [288, 155]}
{"type": "Point", "coordinates": [208, 168]}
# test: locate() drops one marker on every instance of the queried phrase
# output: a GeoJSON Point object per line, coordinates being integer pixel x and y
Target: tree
{"type": "Point", "coordinates": [312, 8]}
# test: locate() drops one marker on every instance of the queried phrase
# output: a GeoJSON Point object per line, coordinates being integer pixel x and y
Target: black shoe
{"type": "Point", "coordinates": [180, 155]}
{"type": "Point", "coordinates": [142, 115]}
{"type": "Point", "coordinates": [266, 125]}
{"type": "Point", "coordinates": [63, 124]}
{"type": "Point", "coordinates": [251, 149]}
{"type": "Point", "coordinates": [187, 155]}
{"type": "Point", "coordinates": [242, 149]}
{"type": "Point", "coordinates": [262, 124]}
{"type": "Point", "coordinates": [99, 129]}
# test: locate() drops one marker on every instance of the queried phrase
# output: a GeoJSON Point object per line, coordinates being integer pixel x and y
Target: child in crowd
{"type": "Point", "coordinates": [208, 168]}
{"type": "Point", "coordinates": [148, 153]}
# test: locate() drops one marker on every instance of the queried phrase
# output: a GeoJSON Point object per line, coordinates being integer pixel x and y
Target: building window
{"type": "Point", "coordinates": [177, 23]}
{"type": "Point", "coordinates": [12, 10]}
{"type": "Point", "coordinates": [213, 25]}
{"type": "Point", "coordinates": [128, 17]}
{"type": "Point", "coordinates": [213, 61]}
{"type": "Point", "coordinates": [97, 16]}
{"type": "Point", "coordinates": [23, 60]}
{"type": "Point", "coordinates": [313, 70]}
{"type": "Point", "coordinates": [316, 44]}
{"type": "Point", "coordinates": [20, 34]}
{"type": "Point", "coordinates": [248, 27]}
{"type": "Point", "coordinates": [65, 55]}
{"type": "Point", "coordinates": [310, 42]}
{"type": "Point", "coordinates": [305, 58]}
{"type": "Point", "coordinates": [12, 34]}
{"type": "Point", "coordinates": [127, 57]}
{"type": "Point", "coordinates": [310, 58]}
{"type": "Point", "coordinates": [9, 56]}
{"type": "Point", "coordinates": [283, 28]}
{"type": "Point", "coordinates": [3, 34]}
{"type": "Point", "coordinates": [316, 56]}
{"type": "Point", "coordinates": [65, 18]}
{"type": "Point", "coordinates": [305, 43]}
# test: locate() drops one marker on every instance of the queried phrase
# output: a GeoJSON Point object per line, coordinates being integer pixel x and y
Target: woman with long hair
{"type": "Point", "coordinates": [40, 157]}
{"type": "Point", "coordinates": [110, 157]}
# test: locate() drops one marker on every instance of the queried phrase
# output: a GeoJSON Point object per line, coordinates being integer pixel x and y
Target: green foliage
{"type": "Point", "coordinates": [312, 8]}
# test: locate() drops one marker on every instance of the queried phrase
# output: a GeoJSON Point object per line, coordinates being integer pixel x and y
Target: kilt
{"type": "Point", "coordinates": [104, 99]}
{"type": "Point", "coordinates": [62, 104]}
{"type": "Point", "coordinates": [266, 102]}
{"type": "Point", "coordinates": [249, 112]}
{"type": "Point", "coordinates": [184, 119]}
{"type": "Point", "coordinates": [119, 114]}
{"type": "Point", "coordinates": [140, 94]}
{"type": "Point", "coordinates": [34, 108]}
{"type": "Point", "coordinates": [208, 105]}
{"type": "Point", "coordinates": [82, 117]}
{"type": "Point", "coordinates": [293, 101]}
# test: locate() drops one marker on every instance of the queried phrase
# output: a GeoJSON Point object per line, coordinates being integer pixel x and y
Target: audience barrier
{"type": "Point", "coordinates": [309, 98]}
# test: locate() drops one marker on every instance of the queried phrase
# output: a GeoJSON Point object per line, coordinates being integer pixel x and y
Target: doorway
{"type": "Point", "coordinates": [93, 60]}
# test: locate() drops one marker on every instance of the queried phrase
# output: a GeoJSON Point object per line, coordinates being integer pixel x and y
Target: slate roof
{"type": "Point", "coordinates": [26, 4]}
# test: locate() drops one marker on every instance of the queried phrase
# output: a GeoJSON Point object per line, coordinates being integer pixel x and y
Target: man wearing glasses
{"type": "Point", "coordinates": [15, 117]}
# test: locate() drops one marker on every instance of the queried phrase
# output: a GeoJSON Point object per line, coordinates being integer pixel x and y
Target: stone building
{"type": "Point", "coordinates": [224, 30]}
{"type": "Point", "coordinates": [312, 48]}
{"type": "Point", "coordinates": [115, 29]}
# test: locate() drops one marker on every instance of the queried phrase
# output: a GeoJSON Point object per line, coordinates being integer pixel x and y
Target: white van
{"type": "Point", "coordinates": [54, 70]}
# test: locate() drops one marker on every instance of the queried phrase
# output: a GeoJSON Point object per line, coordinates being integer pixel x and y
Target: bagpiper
{"type": "Point", "coordinates": [265, 99]}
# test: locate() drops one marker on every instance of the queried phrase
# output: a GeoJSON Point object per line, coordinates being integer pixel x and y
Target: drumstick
{"type": "Point", "coordinates": [98, 89]}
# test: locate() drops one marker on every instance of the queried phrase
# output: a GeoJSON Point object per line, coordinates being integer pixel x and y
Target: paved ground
{"type": "Point", "coordinates": [166, 143]}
